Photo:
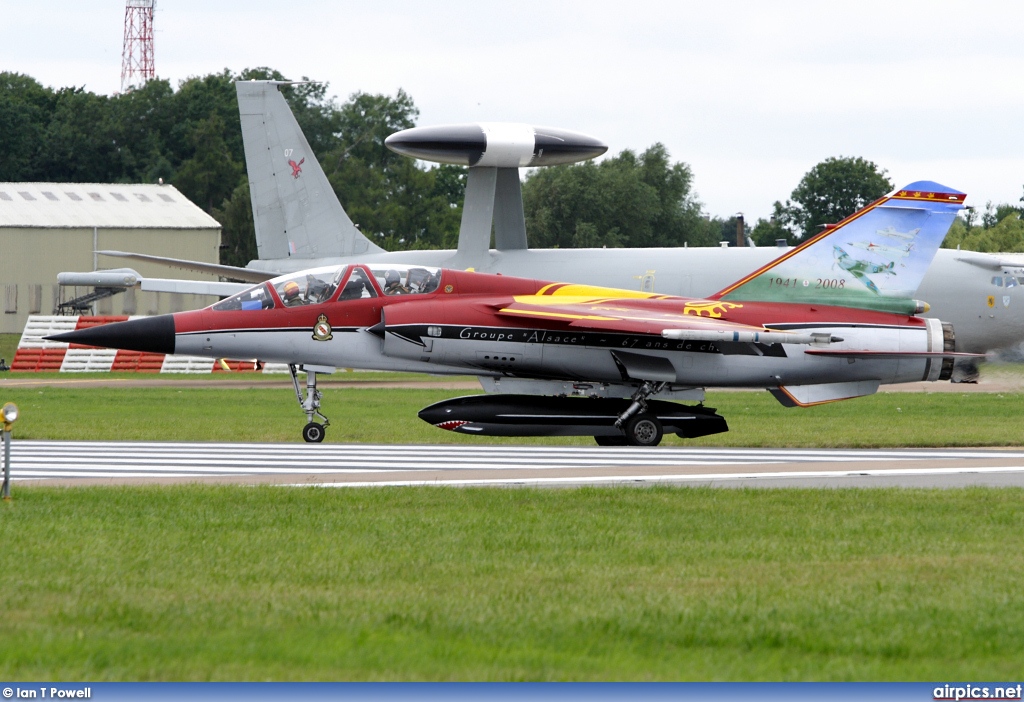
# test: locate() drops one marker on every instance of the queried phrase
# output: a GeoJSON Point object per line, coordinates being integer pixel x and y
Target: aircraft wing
{"type": "Point", "coordinates": [129, 278]}
{"type": "Point", "coordinates": [194, 287]}
{"type": "Point", "coordinates": [690, 324]}
{"type": "Point", "coordinates": [245, 275]}
{"type": "Point", "coordinates": [693, 323]}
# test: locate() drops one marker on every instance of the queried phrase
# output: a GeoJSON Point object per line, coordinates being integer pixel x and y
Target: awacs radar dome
{"type": "Point", "coordinates": [497, 144]}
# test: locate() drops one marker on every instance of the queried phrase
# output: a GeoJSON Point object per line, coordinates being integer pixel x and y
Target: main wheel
{"type": "Point", "coordinates": [313, 433]}
{"type": "Point", "coordinates": [643, 430]}
{"type": "Point", "coordinates": [610, 440]}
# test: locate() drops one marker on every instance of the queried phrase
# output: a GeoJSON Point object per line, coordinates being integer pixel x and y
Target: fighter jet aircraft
{"type": "Point", "coordinates": [883, 250]}
{"type": "Point", "coordinates": [300, 224]}
{"type": "Point", "coordinates": [862, 269]}
{"type": "Point", "coordinates": [794, 326]}
{"type": "Point", "coordinates": [893, 233]}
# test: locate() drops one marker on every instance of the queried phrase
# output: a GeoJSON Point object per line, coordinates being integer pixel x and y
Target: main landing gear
{"type": "Point", "coordinates": [639, 428]}
{"type": "Point", "coordinates": [313, 432]}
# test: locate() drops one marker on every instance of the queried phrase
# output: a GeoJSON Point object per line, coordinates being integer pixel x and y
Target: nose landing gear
{"type": "Point", "coordinates": [312, 432]}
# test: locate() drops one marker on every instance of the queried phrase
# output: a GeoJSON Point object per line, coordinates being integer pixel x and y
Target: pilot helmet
{"type": "Point", "coordinates": [392, 277]}
{"type": "Point", "coordinates": [291, 290]}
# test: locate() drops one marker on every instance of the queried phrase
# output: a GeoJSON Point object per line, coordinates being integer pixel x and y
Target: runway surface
{"type": "Point", "coordinates": [362, 465]}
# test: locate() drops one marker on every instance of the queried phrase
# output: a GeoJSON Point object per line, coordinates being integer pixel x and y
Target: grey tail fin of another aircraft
{"type": "Point", "coordinates": [295, 210]}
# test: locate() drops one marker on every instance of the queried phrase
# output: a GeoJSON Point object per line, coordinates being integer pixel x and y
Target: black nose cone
{"type": "Point", "coordinates": [147, 334]}
{"type": "Point", "coordinates": [557, 146]}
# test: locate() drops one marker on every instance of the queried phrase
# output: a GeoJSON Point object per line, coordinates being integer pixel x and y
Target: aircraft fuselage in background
{"type": "Point", "coordinates": [959, 291]}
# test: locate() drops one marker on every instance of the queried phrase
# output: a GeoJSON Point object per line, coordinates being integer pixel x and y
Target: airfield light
{"type": "Point", "coordinates": [10, 413]}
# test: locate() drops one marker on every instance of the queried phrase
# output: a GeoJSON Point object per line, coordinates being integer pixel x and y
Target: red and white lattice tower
{"type": "Point", "coordinates": [137, 55]}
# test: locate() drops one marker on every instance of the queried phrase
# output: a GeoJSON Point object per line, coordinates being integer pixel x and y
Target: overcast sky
{"type": "Point", "coordinates": [750, 94]}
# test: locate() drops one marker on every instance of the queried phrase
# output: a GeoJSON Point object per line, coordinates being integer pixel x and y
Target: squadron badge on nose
{"type": "Point", "coordinates": [322, 329]}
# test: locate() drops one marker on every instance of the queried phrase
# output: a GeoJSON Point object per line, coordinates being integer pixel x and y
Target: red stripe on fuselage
{"type": "Point", "coordinates": [466, 288]}
{"type": "Point", "coordinates": [475, 297]}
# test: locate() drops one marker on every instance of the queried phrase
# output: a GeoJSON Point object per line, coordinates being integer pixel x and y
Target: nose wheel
{"type": "Point", "coordinates": [313, 432]}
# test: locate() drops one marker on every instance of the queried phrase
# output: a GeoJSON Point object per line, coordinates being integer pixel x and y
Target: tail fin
{"type": "Point", "coordinates": [294, 208]}
{"type": "Point", "coordinates": [852, 263]}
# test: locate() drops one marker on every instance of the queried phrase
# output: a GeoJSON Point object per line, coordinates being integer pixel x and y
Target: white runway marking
{"type": "Point", "coordinates": [701, 479]}
{"type": "Point", "coordinates": [364, 465]}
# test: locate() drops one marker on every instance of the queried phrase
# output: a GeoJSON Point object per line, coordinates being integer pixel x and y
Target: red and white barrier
{"type": "Point", "coordinates": [35, 355]}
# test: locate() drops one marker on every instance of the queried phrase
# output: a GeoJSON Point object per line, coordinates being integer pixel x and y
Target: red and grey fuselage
{"type": "Point", "coordinates": [458, 322]}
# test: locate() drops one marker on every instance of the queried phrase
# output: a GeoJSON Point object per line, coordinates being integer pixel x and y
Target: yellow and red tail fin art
{"type": "Point", "coordinates": [874, 259]}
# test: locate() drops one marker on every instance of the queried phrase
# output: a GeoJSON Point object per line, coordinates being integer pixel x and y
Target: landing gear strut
{"type": "Point", "coordinates": [639, 428]}
{"type": "Point", "coordinates": [639, 401]}
{"type": "Point", "coordinates": [312, 432]}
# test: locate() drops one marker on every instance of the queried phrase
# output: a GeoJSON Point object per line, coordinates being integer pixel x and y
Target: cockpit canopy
{"type": "Point", "coordinates": [317, 286]}
{"type": "Point", "coordinates": [406, 280]}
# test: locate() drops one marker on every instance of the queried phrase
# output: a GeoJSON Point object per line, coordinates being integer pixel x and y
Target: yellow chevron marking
{"type": "Point", "coordinates": [709, 309]}
{"type": "Point", "coordinates": [560, 315]}
{"type": "Point", "coordinates": [559, 299]}
{"type": "Point", "coordinates": [593, 291]}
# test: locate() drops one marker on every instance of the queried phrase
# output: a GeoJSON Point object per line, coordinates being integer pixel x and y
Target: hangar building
{"type": "Point", "coordinates": [49, 228]}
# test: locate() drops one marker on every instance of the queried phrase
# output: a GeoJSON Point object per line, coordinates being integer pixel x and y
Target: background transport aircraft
{"type": "Point", "coordinates": [300, 224]}
{"type": "Point", "coordinates": [805, 330]}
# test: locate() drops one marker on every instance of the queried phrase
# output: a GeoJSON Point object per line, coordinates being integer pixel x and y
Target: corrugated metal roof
{"type": "Point", "coordinates": [107, 205]}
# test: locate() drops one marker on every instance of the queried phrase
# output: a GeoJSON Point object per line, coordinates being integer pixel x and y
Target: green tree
{"type": "Point", "coordinates": [1005, 236]}
{"type": "Point", "coordinates": [397, 203]}
{"type": "Point", "coordinates": [197, 100]}
{"type": "Point", "coordinates": [626, 200]}
{"type": "Point", "coordinates": [77, 145]}
{"type": "Point", "coordinates": [25, 108]}
{"type": "Point", "coordinates": [141, 122]}
{"type": "Point", "coordinates": [832, 190]}
{"type": "Point", "coordinates": [1005, 210]}
{"type": "Point", "coordinates": [210, 175]}
{"type": "Point", "coordinates": [238, 236]}
{"type": "Point", "coordinates": [779, 226]}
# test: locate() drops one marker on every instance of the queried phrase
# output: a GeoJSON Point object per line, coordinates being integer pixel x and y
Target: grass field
{"type": "Point", "coordinates": [389, 415]}
{"type": "Point", "coordinates": [261, 583]}
{"type": "Point", "coordinates": [236, 583]}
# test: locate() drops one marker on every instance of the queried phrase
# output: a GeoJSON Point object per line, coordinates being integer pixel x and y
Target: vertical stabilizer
{"type": "Point", "coordinates": [873, 259]}
{"type": "Point", "coordinates": [295, 210]}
